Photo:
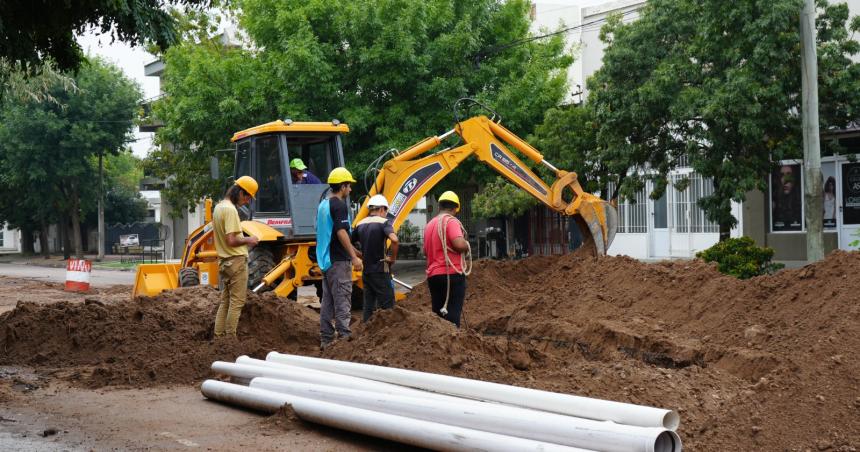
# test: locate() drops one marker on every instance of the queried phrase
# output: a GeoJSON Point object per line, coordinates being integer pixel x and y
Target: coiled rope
{"type": "Point", "coordinates": [465, 257]}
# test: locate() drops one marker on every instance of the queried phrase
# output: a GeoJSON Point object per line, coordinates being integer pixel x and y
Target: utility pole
{"type": "Point", "coordinates": [813, 193]}
{"type": "Point", "coordinates": [101, 255]}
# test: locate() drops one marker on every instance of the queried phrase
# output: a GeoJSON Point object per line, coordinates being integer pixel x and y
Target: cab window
{"type": "Point", "coordinates": [270, 196]}
{"type": "Point", "coordinates": [316, 154]}
{"type": "Point", "coordinates": [243, 159]}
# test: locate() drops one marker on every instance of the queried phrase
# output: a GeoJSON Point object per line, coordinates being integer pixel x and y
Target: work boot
{"type": "Point", "coordinates": [324, 345]}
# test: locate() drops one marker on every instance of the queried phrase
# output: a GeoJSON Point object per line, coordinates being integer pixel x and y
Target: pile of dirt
{"type": "Point", "coordinates": [109, 339]}
{"type": "Point", "coordinates": [763, 364]}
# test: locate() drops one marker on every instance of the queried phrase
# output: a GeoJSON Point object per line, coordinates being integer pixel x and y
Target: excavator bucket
{"type": "Point", "coordinates": [600, 220]}
{"type": "Point", "coordinates": [151, 279]}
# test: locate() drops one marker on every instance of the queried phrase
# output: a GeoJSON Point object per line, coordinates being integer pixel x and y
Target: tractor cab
{"type": "Point", "coordinates": [288, 197]}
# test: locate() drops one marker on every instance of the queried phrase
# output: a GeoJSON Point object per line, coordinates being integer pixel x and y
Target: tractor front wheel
{"type": "Point", "coordinates": [261, 261]}
{"type": "Point", "coordinates": [188, 276]}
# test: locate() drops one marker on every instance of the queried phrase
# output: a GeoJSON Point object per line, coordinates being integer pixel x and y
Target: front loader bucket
{"type": "Point", "coordinates": [601, 220]}
{"type": "Point", "coordinates": [152, 279]}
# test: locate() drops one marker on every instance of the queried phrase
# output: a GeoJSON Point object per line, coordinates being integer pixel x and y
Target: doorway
{"type": "Point", "coordinates": [660, 238]}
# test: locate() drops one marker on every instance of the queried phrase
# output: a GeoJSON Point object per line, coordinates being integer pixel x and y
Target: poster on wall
{"type": "Point", "coordinates": [786, 197]}
{"type": "Point", "coordinates": [851, 193]}
{"type": "Point", "coordinates": [828, 176]}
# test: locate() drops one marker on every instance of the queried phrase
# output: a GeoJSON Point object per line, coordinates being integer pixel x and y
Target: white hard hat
{"type": "Point", "coordinates": [378, 201]}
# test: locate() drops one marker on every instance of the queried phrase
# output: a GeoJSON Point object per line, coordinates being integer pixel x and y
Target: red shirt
{"type": "Point", "coordinates": [433, 247]}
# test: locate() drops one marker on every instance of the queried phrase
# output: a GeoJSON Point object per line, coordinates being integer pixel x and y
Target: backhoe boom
{"type": "Point", "coordinates": [410, 175]}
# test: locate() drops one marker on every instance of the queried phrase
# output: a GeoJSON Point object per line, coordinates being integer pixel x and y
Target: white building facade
{"type": "Point", "coordinates": [672, 226]}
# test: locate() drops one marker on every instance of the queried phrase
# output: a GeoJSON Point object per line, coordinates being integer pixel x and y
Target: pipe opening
{"type": "Point", "coordinates": [667, 442]}
{"type": "Point", "coordinates": [671, 420]}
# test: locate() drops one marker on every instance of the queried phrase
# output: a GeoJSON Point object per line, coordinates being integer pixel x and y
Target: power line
{"type": "Point", "coordinates": [498, 49]}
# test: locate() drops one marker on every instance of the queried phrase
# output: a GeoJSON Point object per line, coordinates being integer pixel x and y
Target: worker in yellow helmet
{"type": "Point", "coordinates": [232, 248]}
{"type": "Point", "coordinates": [336, 257]}
{"type": "Point", "coordinates": [445, 246]}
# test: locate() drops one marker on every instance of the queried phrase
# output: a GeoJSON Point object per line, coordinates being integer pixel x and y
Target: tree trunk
{"type": "Point", "coordinates": [74, 215]}
{"type": "Point", "coordinates": [43, 240]}
{"type": "Point", "coordinates": [27, 247]}
{"type": "Point", "coordinates": [63, 228]}
{"type": "Point", "coordinates": [101, 244]}
{"type": "Point", "coordinates": [725, 231]}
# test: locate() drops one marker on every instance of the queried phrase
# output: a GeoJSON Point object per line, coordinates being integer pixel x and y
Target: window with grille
{"type": "Point", "coordinates": [688, 216]}
{"type": "Point", "coordinates": [632, 214]}
{"type": "Point", "coordinates": [2, 232]}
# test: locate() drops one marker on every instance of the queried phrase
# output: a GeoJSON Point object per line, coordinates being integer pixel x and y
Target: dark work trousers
{"type": "Point", "coordinates": [378, 292]}
{"type": "Point", "coordinates": [438, 286]}
{"type": "Point", "coordinates": [336, 301]}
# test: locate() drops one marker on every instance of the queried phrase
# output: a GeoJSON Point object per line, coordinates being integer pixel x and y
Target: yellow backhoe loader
{"type": "Point", "coordinates": [283, 215]}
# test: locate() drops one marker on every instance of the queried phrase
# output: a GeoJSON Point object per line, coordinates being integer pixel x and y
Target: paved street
{"type": "Point", "coordinates": [411, 272]}
{"type": "Point", "coordinates": [98, 278]}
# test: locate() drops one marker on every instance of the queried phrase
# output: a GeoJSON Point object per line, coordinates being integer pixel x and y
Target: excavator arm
{"type": "Point", "coordinates": [407, 177]}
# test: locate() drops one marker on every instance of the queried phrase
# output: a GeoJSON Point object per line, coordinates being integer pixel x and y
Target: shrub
{"type": "Point", "coordinates": [741, 258]}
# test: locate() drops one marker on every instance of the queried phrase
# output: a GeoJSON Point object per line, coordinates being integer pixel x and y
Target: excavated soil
{"type": "Point", "coordinates": [764, 364]}
{"type": "Point", "coordinates": [108, 339]}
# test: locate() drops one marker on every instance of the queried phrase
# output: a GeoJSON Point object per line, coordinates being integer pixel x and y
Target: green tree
{"type": "Point", "coordinates": [47, 148]}
{"type": "Point", "coordinates": [123, 203]}
{"type": "Point", "coordinates": [23, 82]}
{"type": "Point", "coordinates": [391, 69]}
{"type": "Point", "coordinates": [718, 86]}
{"type": "Point", "coordinates": [32, 31]}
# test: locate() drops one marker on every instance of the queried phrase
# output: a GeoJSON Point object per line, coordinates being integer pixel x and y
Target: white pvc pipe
{"type": "Point", "coordinates": [503, 419]}
{"type": "Point", "coordinates": [303, 374]}
{"type": "Point", "coordinates": [584, 407]}
{"type": "Point", "coordinates": [406, 430]}
{"type": "Point", "coordinates": [637, 438]}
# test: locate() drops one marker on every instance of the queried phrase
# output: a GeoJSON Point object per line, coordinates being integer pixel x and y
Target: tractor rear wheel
{"type": "Point", "coordinates": [188, 277]}
{"type": "Point", "coordinates": [261, 261]}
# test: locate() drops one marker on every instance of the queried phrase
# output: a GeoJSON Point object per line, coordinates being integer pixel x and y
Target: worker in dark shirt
{"type": "Point", "coordinates": [372, 232]}
{"type": "Point", "coordinates": [336, 257]}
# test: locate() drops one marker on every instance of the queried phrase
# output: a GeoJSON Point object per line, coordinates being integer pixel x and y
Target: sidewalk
{"type": "Point", "coordinates": [110, 262]}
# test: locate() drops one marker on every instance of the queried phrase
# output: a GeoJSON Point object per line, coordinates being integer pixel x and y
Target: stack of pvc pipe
{"type": "Point", "coordinates": [439, 411]}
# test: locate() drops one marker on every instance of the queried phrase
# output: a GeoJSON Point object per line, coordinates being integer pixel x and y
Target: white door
{"type": "Point", "coordinates": [660, 227]}
{"type": "Point", "coordinates": [848, 217]}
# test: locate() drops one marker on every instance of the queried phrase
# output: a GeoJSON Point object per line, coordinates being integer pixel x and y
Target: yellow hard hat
{"type": "Point", "coordinates": [452, 197]}
{"type": "Point", "coordinates": [340, 175]}
{"type": "Point", "coordinates": [248, 184]}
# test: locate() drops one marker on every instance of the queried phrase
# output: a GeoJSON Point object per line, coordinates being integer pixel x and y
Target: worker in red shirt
{"type": "Point", "coordinates": [447, 271]}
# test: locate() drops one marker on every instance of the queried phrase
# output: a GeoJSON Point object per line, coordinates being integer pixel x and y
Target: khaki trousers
{"type": "Point", "coordinates": [233, 272]}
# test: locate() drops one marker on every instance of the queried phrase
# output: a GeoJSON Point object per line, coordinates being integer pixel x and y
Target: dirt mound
{"type": "Point", "coordinates": [742, 361]}
{"type": "Point", "coordinates": [763, 364]}
{"type": "Point", "coordinates": [164, 339]}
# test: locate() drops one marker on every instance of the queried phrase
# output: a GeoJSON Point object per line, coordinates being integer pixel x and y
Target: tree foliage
{"type": "Point", "coordinates": [33, 31]}
{"type": "Point", "coordinates": [567, 138]}
{"type": "Point", "coordinates": [47, 148]}
{"type": "Point", "coordinates": [391, 69]}
{"type": "Point", "coordinates": [719, 86]}
{"type": "Point", "coordinates": [501, 198]}
{"type": "Point", "coordinates": [123, 202]}
{"type": "Point", "coordinates": [24, 82]}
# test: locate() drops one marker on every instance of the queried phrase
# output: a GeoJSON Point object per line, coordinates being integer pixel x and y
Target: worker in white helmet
{"type": "Point", "coordinates": [372, 233]}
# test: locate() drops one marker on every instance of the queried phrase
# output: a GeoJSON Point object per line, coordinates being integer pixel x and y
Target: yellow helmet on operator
{"type": "Point", "coordinates": [248, 184]}
{"type": "Point", "coordinates": [451, 197]}
{"type": "Point", "coordinates": [340, 175]}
